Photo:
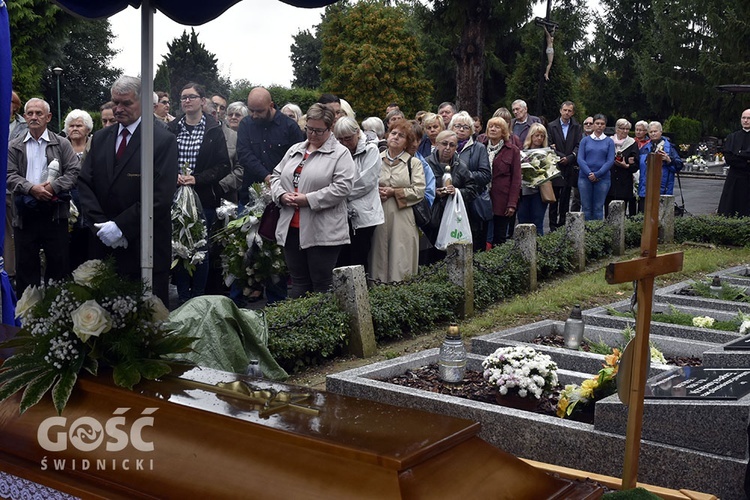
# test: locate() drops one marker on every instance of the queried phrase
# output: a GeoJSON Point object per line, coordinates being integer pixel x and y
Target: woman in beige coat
{"type": "Point", "coordinates": [311, 184]}
{"type": "Point", "coordinates": [395, 244]}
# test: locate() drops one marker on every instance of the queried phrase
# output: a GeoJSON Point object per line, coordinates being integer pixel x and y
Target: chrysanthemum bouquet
{"type": "Point", "coordinates": [538, 166]}
{"type": "Point", "coordinates": [522, 370]}
{"type": "Point", "coordinates": [94, 319]}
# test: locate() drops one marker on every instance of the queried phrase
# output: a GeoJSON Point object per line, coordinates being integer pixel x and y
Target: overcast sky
{"type": "Point", "coordinates": [251, 40]}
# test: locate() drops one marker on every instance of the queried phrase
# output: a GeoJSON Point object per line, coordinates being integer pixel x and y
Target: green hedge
{"type": "Point", "coordinates": [498, 274]}
{"type": "Point", "coordinates": [685, 130]}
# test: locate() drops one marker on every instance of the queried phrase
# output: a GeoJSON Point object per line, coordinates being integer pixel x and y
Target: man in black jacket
{"type": "Point", "coordinates": [110, 189]}
{"type": "Point", "coordinates": [564, 137]}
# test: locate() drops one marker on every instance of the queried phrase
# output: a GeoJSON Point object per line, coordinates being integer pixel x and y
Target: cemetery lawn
{"type": "Point", "coordinates": [553, 300]}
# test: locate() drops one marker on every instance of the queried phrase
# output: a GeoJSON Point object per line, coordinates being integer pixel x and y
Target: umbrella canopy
{"type": "Point", "coordinates": [190, 12]}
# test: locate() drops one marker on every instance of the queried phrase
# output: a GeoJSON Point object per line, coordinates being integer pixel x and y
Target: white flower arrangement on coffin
{"type": "Point", "coordinates": [522, 370]}
{"type": "Point", "coordinates": [94, 319]}
{"type": "Point", "coordinates": [745, 322]}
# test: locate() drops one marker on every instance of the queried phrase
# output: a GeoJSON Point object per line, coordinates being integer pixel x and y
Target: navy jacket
{"type": "Point", "coordinates": [261, 145]}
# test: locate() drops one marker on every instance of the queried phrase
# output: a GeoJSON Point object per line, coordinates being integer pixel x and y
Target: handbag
{"type": "Point", "coordinates": [547, 192]}
{"type": "Point", "coordinates": [422, 210]}
{"type": "Point", "coordinates": [454, 227]}
{"type": "Point", "coordinates": [268, 222]}
{"type": "Point", "coordinates": [482, 206]}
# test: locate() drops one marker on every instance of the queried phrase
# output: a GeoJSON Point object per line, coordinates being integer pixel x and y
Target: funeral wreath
{"type": "Point", "coordinates": [95, 319]}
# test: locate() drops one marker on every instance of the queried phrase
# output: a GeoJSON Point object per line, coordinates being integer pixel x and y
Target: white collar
{"type": "Point", "coordinates": [44, 136]}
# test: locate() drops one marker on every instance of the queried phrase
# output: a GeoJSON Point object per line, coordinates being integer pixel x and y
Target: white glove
{"type": "Point", "coordinates": [108, 232]}
{"type": "Point", "coordinates": [122, 242]}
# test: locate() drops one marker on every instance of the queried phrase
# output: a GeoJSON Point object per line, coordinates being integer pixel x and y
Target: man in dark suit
{"type": "Point", "coordinates": [564, 136]}
{"type": "Point", "coordinates": [110, 189]}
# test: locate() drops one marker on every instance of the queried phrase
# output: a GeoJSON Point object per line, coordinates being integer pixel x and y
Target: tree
{"type": "Point", "coordinates": [87, 69]}
{"type": "Point", "coordinates": [305, 57]}
{"type": "Point", "coordinates": [187, 60]}
{"type": "Point", "coordinates": [371, 58]}
{"type": "Point", "coordinates": [471, 45]}
{"type": "Point", "coordinates": [34, 39]}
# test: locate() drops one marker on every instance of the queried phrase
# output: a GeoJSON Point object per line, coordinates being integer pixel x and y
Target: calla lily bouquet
{"type": "Point", "coordinates": [94, 319]}
{"type": "Point", "coordinates": [189, 232]}
{"type": "Point", "coordinates": [538, 166]}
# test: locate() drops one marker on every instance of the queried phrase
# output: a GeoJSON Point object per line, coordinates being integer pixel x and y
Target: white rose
{"type": "Point", "coordinates": [31, 297]}
{"type": "Point", "coordinates": [90, 319]}
{"type": "Point", "coordinates": [158, 311]}
{"type": "Point", "coordinates": [86, 272]}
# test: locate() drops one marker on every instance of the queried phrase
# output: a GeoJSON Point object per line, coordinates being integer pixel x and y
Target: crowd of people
{"type": "Point", "coordinates": [347, 191]}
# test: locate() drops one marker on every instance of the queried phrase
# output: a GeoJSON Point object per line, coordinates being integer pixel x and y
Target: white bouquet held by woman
{"type": "Point", "coordinates": [538, 166]}
{"type": "Point", "coordinates": [520, 369]}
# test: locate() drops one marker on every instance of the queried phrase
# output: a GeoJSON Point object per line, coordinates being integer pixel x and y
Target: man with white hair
{"type": "Point", "coordinates": [671, 163]}
{"type": "Point", "coordinates": [523, 121]}
{"type": "Point", "coordinates": [42, 168]}
{"type": "Point", "coordinates": [110, 189]}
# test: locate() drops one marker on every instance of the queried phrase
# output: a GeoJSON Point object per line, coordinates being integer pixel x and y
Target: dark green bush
{"type": "Point", "coordinates": [554, 254]}
{"type": "Point", "coordinates": [684, 130]}
{"type": "Point", "coordinates": [413, 307]}
{"type": "Point", "coordinates": [498, 274]}
{"type": "Point", "coordinates": [598, 241]}
{"type": "Point", "coordinates": [296, 343]}
{"type": "Point", "coordinates": [713, 229]}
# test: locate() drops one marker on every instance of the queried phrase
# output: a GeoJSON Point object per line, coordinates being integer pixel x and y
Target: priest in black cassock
{"type": "Point", "coordinates": [734, 197]}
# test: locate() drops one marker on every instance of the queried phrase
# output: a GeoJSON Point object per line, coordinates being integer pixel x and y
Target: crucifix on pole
{"type": "Point", "coordinates": [643, 270]}
{"type": "Point", "coordinates": [547, 54]}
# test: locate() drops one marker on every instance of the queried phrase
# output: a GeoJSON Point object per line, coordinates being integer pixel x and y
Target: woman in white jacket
{"type": "Point", "coordinates": [311, 184]}
{"type": "Point", "coordinates": [365, 209]}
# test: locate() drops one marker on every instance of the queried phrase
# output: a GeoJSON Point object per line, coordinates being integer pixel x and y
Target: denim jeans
{"type": "Point", "coordinates": [531, 210]}
{"type": "Point", "coordinates": [593, 195]}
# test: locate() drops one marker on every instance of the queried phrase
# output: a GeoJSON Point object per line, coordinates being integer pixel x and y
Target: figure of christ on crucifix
{"type": "Point", "coordinates": [643, 270]}
{"type": "Point", "coordinates": [550, 50]}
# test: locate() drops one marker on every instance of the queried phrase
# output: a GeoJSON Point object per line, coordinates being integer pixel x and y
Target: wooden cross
{"type": "Point", "coordinates": [643, 269]}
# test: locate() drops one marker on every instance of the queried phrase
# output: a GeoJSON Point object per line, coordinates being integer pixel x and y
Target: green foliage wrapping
{"type": "Point", "coordinates": [320, 336]}
{"type": "Point", "coordinates": [714, 229]}
{"type": "Point", "coordinates": [554, 255]}
{"type": "Point", "coordinates": [412, 307]}
{"type": "Point", "coordinates": [498, 275]}
{"type": "Point", "coordinates": [685, 130]}
{"type": "Point", "coordinates": [598, 241]}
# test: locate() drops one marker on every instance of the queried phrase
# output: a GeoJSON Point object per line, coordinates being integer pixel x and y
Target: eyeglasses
{"type": "Point", "coordinates": [447, 144]}
{"type": "Point", "coordinates": [461, 126]}
{"type": "Point", "coordinates": [190, 97]}
{"type": "Point", "coordinates": [623, 128]}
{"type": "Point", "coordinates": [316, 131]}
{"type": "Point", "coordinates": [164, 102]}
{"type": "Point", "coordinates": [588, 123]}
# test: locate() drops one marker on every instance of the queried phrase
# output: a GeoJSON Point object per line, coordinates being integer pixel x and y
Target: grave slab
{"type": "Point", "coordinates": [550, 439]}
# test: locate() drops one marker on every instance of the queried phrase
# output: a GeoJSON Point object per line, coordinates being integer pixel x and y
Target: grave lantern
{"type": "Point", "coordinates": [573, 333]}
{"type": "Point", "coordinates": [715, 286]}
{"type": "Point", "coordinates": [452, 358]}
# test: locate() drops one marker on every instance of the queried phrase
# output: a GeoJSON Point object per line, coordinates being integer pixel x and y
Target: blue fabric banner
{"type": "Point", "coordinates": [6, 87]}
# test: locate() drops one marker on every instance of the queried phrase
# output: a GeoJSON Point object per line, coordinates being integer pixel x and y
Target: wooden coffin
{"type": "Point", "coordinates": [211, 434]}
